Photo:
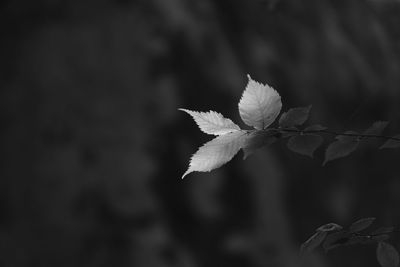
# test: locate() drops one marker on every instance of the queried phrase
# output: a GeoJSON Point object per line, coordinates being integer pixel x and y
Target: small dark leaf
{"type": "Point", "coordinates": [344, 146]}
{"type": "Point", "coordinates": [387, 255]}
{"type": "Point", "coordinates": [286, 134]}
{"type": "Point", "coordinates": [359, 240]}
{"type": "Point", "coordinates": [380, 238]}
{"type": "Point", "coordinates": [336, 239]}
{"type": "Point", "coordinates": [351, 136]}
{"type": "Point", "coordinates": [377, 128]}
{"type": "Point", "coordinates": [361, 225]}
{"type": "Point", "coordinates": [316, 127]}
{"type": "Point", "coordinates": [313, 242]}
{"type": "Point", "coordinates": [383, 230]}
{"type": "Point", "coordinates": [258, 139]}
{"type": "Point", "coordinates": [391, 143]}
{"type": "Point", "coordinates": [305, 144]}
{"type": "Point", "coordinates": [329, 227]}
{"type": "Point", "coordinates": [294, 117]}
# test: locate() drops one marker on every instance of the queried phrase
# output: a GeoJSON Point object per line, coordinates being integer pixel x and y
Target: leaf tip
{"type": "Point", "coordinates": [185, 174]}
{"type": "Point", "coordinates": [246, 155]}
{"type": "Point", "coordinates": [183, 109]}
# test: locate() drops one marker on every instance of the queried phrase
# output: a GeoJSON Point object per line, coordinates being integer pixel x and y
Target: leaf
{"type": "Point", "coordinates": [341, 148]}
{"type": "Point", "coordinates": [216, 152]}
{"type": "Point", "coordinates": [260, 105]}
{"type": "Point", "coordinates": [359, 240]}
{"type": "Point", "coordinates": [382, 233]}
{"type": "Point", "coordinates": [294, 117]}
{"type": "Point", "coordinates": [212, 122]}
{"type": "Point", "coordinates": [377, 128]}
{"type": "Point", "coordinates": [383, 230]}
{"type": "Point", "coordinates": [391, 143]}
{"type": "Point", "coordinates": [387, 255]}
{"type": "Point", "coordinates": [329, 227]}
{"type": "Point", "coordinates": [305, 144]}
{"type": "Point", "coordinates": [315, 127]}
{"type": "Point", "coordinates": [336, 239]}
{"type": "Point", "coordinates": [286, 134]}
{"type": "Point", "coordinates": [361, 225]}
{"type": "Point", "coordinates": [380, 238]}
{"type": "Point", "coordinates": [258, 139]}
{"type": "Point", "coordinates": [313, 242]}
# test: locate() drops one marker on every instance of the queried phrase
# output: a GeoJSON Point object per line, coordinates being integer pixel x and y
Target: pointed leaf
{"type": "Point", "coordinates": [258, 139]}
{"type": "Point", "coordinates": [313, 242]}
{"type": "Point", "coordinates": [315, 127]}
{"type": "Point", "coordinates": [341, 148]}
{"type": "Point", "coordinates": [212, 122]}
{"type": "Point", "coordinates": [387, 255]}
{"type": "Point", "coordinates": [294, 117]}
{"type": "Point", "coordinates": [380, 238]}
{"type": "Point", "coordinates": [329, 227]}
{"type": "Point", "coordinates": [354, 240]}
{"type": "Point", "coordinates": [336, 239]}
{"type": "Point", "coordinates": [353, 136]}
{"type": "Point", "coordinates": [361, 225]}
{"type": "Point", "coordinates": [286, 134]}
{"type": "Point", "coordinates": [383, 230]}
{"type": "Point", "coordinates": [305, 144]}
{"type": "Point", "coordinates": [260, 105]}
{"type": "Point", "coordinates": [216, 152]}
{"type": "Point", "coordinates": [392, 143]}
{"type": "Point", "coordinates": [377, 128]}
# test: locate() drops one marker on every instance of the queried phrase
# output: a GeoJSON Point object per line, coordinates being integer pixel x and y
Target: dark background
{"type": "Point", "coordinates": [93, 146]}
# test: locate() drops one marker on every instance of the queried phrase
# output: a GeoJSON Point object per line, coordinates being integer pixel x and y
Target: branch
{"type": "Point", "coordinates": [370, 236]}
{"type": "Point", "coordinates": [338, 134]}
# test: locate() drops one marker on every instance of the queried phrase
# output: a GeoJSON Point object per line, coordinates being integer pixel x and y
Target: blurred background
{"type": "Point", "coordinates": [93, 146]}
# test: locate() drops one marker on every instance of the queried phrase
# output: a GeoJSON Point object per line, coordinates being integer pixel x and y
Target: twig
{"type": "Point", "coordinates": [340, 134]}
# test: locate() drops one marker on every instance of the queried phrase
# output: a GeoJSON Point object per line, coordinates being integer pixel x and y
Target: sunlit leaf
{"type": "Point", "coordinates": [216, 152]}
{"type": "Point", "coordinates": [258, 139]}
{"type": "Point", "coordinates": [294, 117]}
{"type": "Point", "coordinates": [361, 225]}
{"type": "Point", "coordinates": [260, 105]}
{"type": "Point", "coordinates": [305, 144]}
{"type": "Point", "coordinates": [387, 255]}
{"type": "Point", "coordinates": [212, 122]}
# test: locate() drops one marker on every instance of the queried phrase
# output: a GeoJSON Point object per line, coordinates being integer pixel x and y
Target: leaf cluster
{"type": "Point", "coordinates": [331, 235]}
{"type": "Point", "coordinates": [259, 107]}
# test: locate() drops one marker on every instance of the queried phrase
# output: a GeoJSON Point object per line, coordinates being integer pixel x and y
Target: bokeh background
{"type": "Point", "coordinates": [93, 146]}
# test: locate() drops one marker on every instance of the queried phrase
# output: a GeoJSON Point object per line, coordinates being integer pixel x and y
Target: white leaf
{"type": "Point", "coordinates": [260, 105]}
{"type": "Point", "coordinates": [212, 122]}
{"type": "Point", "coordinates": [216, 152]}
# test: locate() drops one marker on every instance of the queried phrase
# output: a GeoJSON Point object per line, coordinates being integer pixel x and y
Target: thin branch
{"type": "Point", "coordinates": [374, 235]}
{"type": "Point", "coordinates": [386, 233]}
{"type": "Point", "coordinates": [340, 134]}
